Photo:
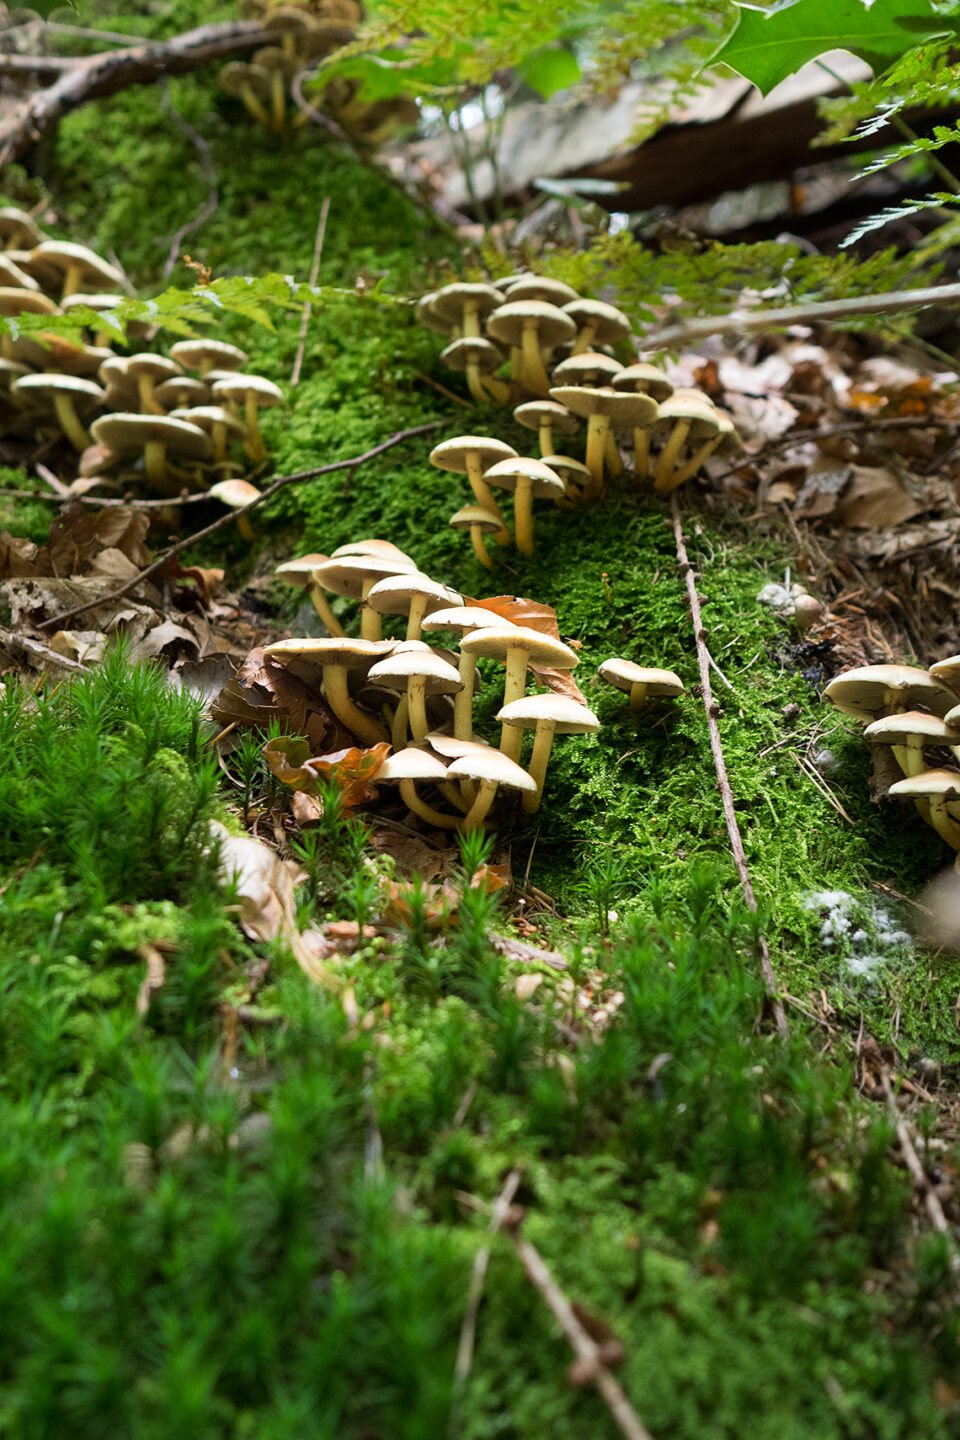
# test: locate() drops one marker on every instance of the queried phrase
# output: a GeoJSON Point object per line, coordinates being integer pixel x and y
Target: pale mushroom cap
{"type": "Point", "coordinates": [394, 594]}
{"type": "Point", "coordinates": [470, 517]}
{"type": "Point", "coordinates": [13, 277]}
{"type": "Point", "coordinates": [452, 454]}
{"type": "Point", "coordinates": [864, 691]}
{"type": "Point", "coordinates": [157, 367]}
{"type": "Point", "coordinates": [240, 386]}
{"type": "Point", "coordinates": [453, 749]}
{"type": "Point", "coordinates": [700, 413]}
{"type": "Point", "coordinates": [571, 472]}
{"type": "Point", "coordinates": [947, 672]}
{"type": "Point", "coordinates": [411, 764]}
{"type": "Point", "coordinates": [382, 549]}
{"type": "Point", "coordinates": [507, 323]}
{"type": "Point", "coordinates": [586, 369]}
{"type": "Point", "coordinates": [52, 384]}
{"type": "Point", "coordinates": [191, 354]}
{"type": "Point", "coordinates": [337, 650]}
{"type": "Point", "coordinates": [15, 301]}
{"type": "Point", "coordinates": [952, 717]}
{"type": "Point", "coordinates": [207, 416]}
{"type": "Point", "coordinates": [397, 669]}
{"type": "Point", "coordinates": [625, 410]}
{"type": "Point", "coordinates": [624, 674]}
{"type": "Point", "coordinates": [491, 766]}
{"type": "Point", "coordinates": [506, 475]}
{"type": "Point", "coordinates": [934, 784]}
{"type": "Point", "coordinates": [428, 316]}
{"type": "Point", "coordinates": [540, 287]}
{"type": "Point", "coordinates": [63, 254]}
{"type": "Point", "coordinates": [459, 353]}
{"type": "Point", "coordinates": [463, 619]}
{"type": "Point", "coordinates": [567, 715]}
{"type": "Point", "coordinates": [649, 379]}
{"type": "Point", "coordinates": [12, 219]}
{"type": "Point", "coordinates": [896, 729]}
{"type": "Point", "coordinates": [100, 302]}
{"type": "Point", "coordinates": [496, 642]}
{"type": "Point", "coordinates": [611, 324]}
{"type": "Point", "coordinates": [347, 575]}
{"type": "Point", "coordinates": [451, 302]}
{"type": "Point", "coordinates": [234, 493]}
{"type": "Point", "coordinates": [299, 572]}
{"type": "Point", "coordinates": [127, 431]}
{"type": "Point", "coordinates": [532, 412]}
{"type": "Point", "coordinates": [235, 76]}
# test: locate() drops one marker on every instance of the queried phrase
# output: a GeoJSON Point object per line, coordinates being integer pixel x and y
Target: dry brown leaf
{"type": "Point", "coordinates": [351, 769]}
{"type": "Point", "coordinates": [411, 853]}
{"type": "Point", "coordinates": [536, 616]}
{"type": "Point", "coordinates": [84, 646]}
{"type": "Point", "coordinates": [875, 499]}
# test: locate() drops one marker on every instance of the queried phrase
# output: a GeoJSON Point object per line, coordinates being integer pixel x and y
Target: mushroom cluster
{"type": "Point", "coordinates": [305, 32]}
{"type": "Point", "coordinates": [186, 418]}
{"type": "Point", "coordinates": [915, 713]}
{"type": "Point", "coordinates": [419, 697]}
{"type": "Point", "coordinates": [534, 343]}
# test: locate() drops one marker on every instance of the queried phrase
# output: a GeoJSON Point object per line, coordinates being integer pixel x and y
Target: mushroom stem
{"type": "Point", "coordinates": [259, 114]}
{"type": "Point", "coordinates": [278, 100]}
{"type": "Point", "coordinates": [475, 381]}
{"type": "Point", "coordinates": [69, 422]}
{"type": "Point", "coordinates": [245, 528]}
{"type": "Point", "coordinates": [638, 695]}
{"type": "Point", "coordinates": [584, 340]}
{"type": "Point", "coordinates": [418, 609]}
{"type": "Point", "coordinates": [322, 606]}
{"type": "Point", "coordinates": [516, 365]}
{"type": "Point", "coordinates": [450, 791]}
{"type": "Point", "coordinates": [463, 700]}
{"type": "Point", "coordinates": [479, 549]}
{"type": "Point", "coordinates": [663, 470]}
{"type": "Point", "coordinates": [611, 455]}
{"type": "Point", "coordinates": [254, 445]}
{"type": "Point", "coordinates": [471, 319]}
{"type": "Point", "coordinates": [417, 708]}
{"type": "Point", "coordinates": [219, 436]}
{"type": "Point", "coordinates": [537, 769]}
{"type": "Point", "coordinates": [370, 626]}
{"type": "Point", "coordinates": [485, 495]}
{"type": "Point", "coordinates": [426, 812]}
{"type": "Point", "coordinates": [534, 374]}
{"type": "Point", "coordinates": [598, 429]}
{"type": "Point", "coordinates": [338, 698]}
{"type": "Point", "coordinates": [690, 468]}
{"type": "Point", "coordinates": [398, 725]}
{"type": "Point", "coordinates": [910, 756]}
{"type": "Point", "coordinates": [943, 823]}
{"type": "Point", "coordinates": [641, 454]}
{"type": "Point", "coordinates": [523, 516]}
{"type": "Point", "coordinates": [546, 436]}
{"type": "Point", "coordinates": [155, 459]}
{"type": "Point", "coordinates": [477, 813]}
{"type": "Point", "coordinates": [496, 390]}
{"type": "Point", "coordinates": [515, 682]}
{"type": "Point", "coordinates": [72, 280]}
{"type": "Point", "coordinates": [148, 405]}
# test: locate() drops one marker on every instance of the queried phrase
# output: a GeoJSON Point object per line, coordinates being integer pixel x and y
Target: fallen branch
{"type": "Point", "coordinates": [744, 322]}
{"type": "Point", "coordinates": [770, 985]}
{"type": "Point", "coordinates": [106, 73]}
{"type": "Point", "coordinates": [589, 1359]}
{"type": "Point", "coordinates": [314, 272]}
{"type": "Point", "coordinates": [478, 1275]}
{"type": "Point", "coordinates": [921, 1183]}
{"type": "Point", "coordinates": [231, 515]}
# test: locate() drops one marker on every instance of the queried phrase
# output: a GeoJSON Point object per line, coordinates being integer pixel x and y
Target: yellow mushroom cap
{"type": "Point", "coordinates": [124, 431]}
{"type": "Point", "coordinates": [452, 454]}
{"type": "Point", "coordinates": [299, 572]}
{"type": "Point", "coordinates": [491, 766]}
{"type": "Point", "coordinates": [948, 672]}
{"type": "Point", "coordinates": [497, 642]}
{"type": "Point", "coordinates": [476, 517]}
{"type": "Point", "coordinates": [539, 287]}
{"type": "Point", "coordinates": [508, 474]}
{"type": "Point", "coordinates": [624, 674]}
{"type": "Point", "coordinates": [868, 689]}
{"type": "Point", "coordinates": [394, 595]}
{"type": "Point", "coordinates": [413, 763]}
{"type": "Point", "coordinates": [234, 493]}
{"type": "Point", "coordinates": [932, 784]}
{"type": "Point", "coordinates": [646, 378]}
{"type": "Point", "coordinates": [532, 412]}
{"type": "Point", "coordinates": [63, 254]}
{"type": "Point", "coordinates": [507, 324]}
{"type": "Point", "coordinates": [609, 323]}
{"type": "Point", "coordinates": [451, 302]}
{"type": "Point", "coordinates": [191, 354]}
{"type": "Point", "coordinates": [587, 369]}
{"type": "Point", "coordinates": [625, 411]}
{"type": "Point", "coordinates": [567, 715]}
{"type": "Point", "coordinates": [463, 618]}
{"type": "Point", "coordinates": [348, 574]}
{"type": "Point", "coordinates": [896, 729]}
{"type": "Point", "coordinates": [471, 348]}
{"type": "Point", "coordinates": [408, 663]}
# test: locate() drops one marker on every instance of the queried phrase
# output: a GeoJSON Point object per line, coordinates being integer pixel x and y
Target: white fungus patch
{"type": "Point", "coordinates": [865, 934]}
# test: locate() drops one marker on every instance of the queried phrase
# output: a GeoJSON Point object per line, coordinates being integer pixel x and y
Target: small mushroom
{"type": "Point", "coordinates": [937, 788]}
{"type": "Point", "coordinates": [335, 657]}
{"type": "Point", "coordinates": [547, 418]}
{"type": "Point", "coordinates": [413, 595]}
{"type": "Point", "coordinates": [63, 393]}
{"type": "Point", "coordinates": [873, 690]}
{"type": "Point", "coordinates": [479, 521]}
{"type": "Point", "coordinates": [405, 768]}
{"type": "Point", "coordinates": [643, 379]}
{"type": "Point", "coordinates": [14, 302]}
{"type": "Point", "coordinates": [575, 477]}
{"type": "Point", "coordinates": [723, 441]}
{"type": "Point", "coordinates": [252, 85]}
{"type": "Point", "coordinates": [282, 68]}
{"type": "Point", "coordinates": [684, 419]}
{"type": "Point", "coordinates": [380, 549]}
{"type": "Point", "coordinates": [528, 479]}
{"type": "Point", "coordinates": [477, 358]}
{"type": "Point", "coordinates": [158, 436]}
{"type": "Point", "coordinates": [216, 420]}
{"type": "Point", "coordinates": [470, 455]}
{"type": "Point", "coordinates": [207, 355]}
{"type": "Point", "coordinates": [103, 307]}
{"type": "Point", "coordinates": [590, 368]}
{"type": "Point", "coordinates": [466, 305]}
{"type": "Point", "coordinates": [947, 672]}
{"type": "Point", "coordinates": [237, 495]}
{"type": "Point", "coordinates": [430, 319]}
{"type": "Point", "coordinates": [597, 324]}
{"type": "Point", "coordinates": [604, 409]}
{"type": "Point", "coordinates": [538, 287]}
{"type": "Point", "coordinates": [907, 733]}
{"type": "Point", "coordinates": [18, 230]}
{"type": "Point", "coordinates": [533, 325]}
{"type": "Point", "coordinates": [418, 672]}
{"type": "Point", "coordinates": [299, 572]}
{"type": "Point", "coordinates": [149, 370]}
{"type": "Point", "coordinates": [80, 267]}
{"type": "Point", "coordinates": [641, 683]}
{"type": "Point", "coordinates": [355, 576]}
{"type": "Point", "coordinates": [255, 393]}
{"type": "Point", "coordinates": [464, 620]}
{"type": "Point", "coordinates": [490, 771]}
{"type": "Point", "coordinates": [519, 647]}
{"type": "Point", "coordinates": [547, 715]}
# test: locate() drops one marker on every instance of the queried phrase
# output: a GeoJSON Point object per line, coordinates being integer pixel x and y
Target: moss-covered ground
{"type": "Point", "coordinates": [736, 1218]}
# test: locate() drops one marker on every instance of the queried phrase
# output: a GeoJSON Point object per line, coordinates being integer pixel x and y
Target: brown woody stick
{"type": "Point", "coordinates": [770, 985]}
{"type": "Point", "coordinates": [931, 1199]}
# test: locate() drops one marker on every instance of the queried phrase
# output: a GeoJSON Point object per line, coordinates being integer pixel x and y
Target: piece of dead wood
{"type": "Point", "coordinates": [106, 73]}
{"type": "Point", "coordinates": [478, 1275]}
{"type": "Point", "coordinates": [931, 1199]}
{"type": "Point", "coordinates": [526, 954]}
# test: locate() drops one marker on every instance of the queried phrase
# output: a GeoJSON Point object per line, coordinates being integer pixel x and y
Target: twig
{"type": "Point", "coordinates": [60, 491]}
{"type": "Point", "coordinates": [746, 321]}
{"type": "Point", "coordinates": [468, 1330]}
{"type": "Point", "coordinates": [231, 515]}
{"type": "Point", "coordinates": [314, 272]}
{"type": "Point", "coordinates": [209, 172]}
{"type": "Point", "coordinates": [583, 1345]}
{"type": "Point", "coordinates": [811, 773]}
{"type": "Point", "coordinates": [931, 1199]}
{"type": "Point", "coordinates": [720, 765]}
{"type": "Point", "coordinates": [39, 651]}
{"type": "Point", "coordinates": [103, 500]}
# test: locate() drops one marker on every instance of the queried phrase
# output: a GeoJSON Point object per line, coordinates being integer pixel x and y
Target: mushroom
{"type": "Point", "coordinates": [684, 418]}
{"type": "Point", "coordinates": [604, 409]}
{"type": "Point", "coordinates": [216, 420]}
{"type": "Point", "coordinates": [479, 521]}
{"type": "Point", "coordinates": [528, 479]}
{"type": "Point", "coordinates": [872, 690]}
{"type": "Point", "coordinates": [63, 393]}
{"type": "Point", "coordinates": [147, 370]}
{"type": "Point", "coordinates": [549, 715]}
{"type": "Point", "coordinates": [533, 325]}
{"type": "Point", "coordinates": [640, 683]}
{"type": "Point", "coordinates": [429, 318]}
{"type": "Point", "coordinates": [299, 572]}
{"type": "Point", "coordinates": [490, 770]}
{"type": "Point", "coordinates": [478, 358]}
{"type": "Point", "coordinates": [103, 307]}
{"type": "Point", "coordinates": [13, 278]}
{"type": "Point", "coordinates": [470, 455]}
{"type": "Point", "coordinates": [381, 549]}
{"type": "Point", "coordinates": [335, 657]}
{"type": "Point", "coordinates": [252, 85]}
{"type": "Point", "coordinates": [724, 441]}
{"type": "Point", "coordinates": [642, 379]}
{"type": "Point", "coordinates": [207, 355]}
{"type": "Point", "coordinates": [947, 672]}
{"type": "Point", "coordinates": [575, 477]}
{"type": "Point", "coordinates": [413, 595]}
{"type": "Point", "coordinates": [464, 620]}
{"type": "Point", "coordinates": [538, 287]}
{"type": "Point", "coordinates": [14, 302]}
{"type": "Point", "coordinates": [936, 787]}
{"type": "Point", "coordinates": [405, 768]}
{"type": "Point", "coordinates": [256, 393]}
{"type": "Point", "coordinates": [237, 495]}
{"type": "Point", "coordinates": [546, 417]}
{"type": "Point", "coordinates": [158, 436]}
{"type": "Point", "coordinates": [18, 230]}
{"type": "Point", "coordinates": [597, 324]}
{"type": "Point", "coordinates": [590, 368]}
{"type": "Point", "coordinates": [465, 305]}
{"type": "Point", "coordinates": [519, 647]}
{"type": "Point", "coordinates": [79, 267]}
{"type": "Point", "coordinates": [418, 672]}
{"type": "Point", "coordinates": [907, 733]}
{"type": "Point", "coordinates": [355, 576]}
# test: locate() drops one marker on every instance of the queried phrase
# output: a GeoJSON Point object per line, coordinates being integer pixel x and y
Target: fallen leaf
{"type": "Point", "coordinates": [351, 770]}
{"type": "Point", "coordinates": [874, 499]}
{"type": "Point", "coordinates": [520, 611]}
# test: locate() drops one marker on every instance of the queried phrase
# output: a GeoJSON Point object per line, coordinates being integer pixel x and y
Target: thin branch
{"type": "Point", "coordinates": [586, 1349]}
{"type": "Point", "coordinates": [468, 1329]}
{"type": "Point", "coordinates": [770, 985]}
{"type": "Point", "coordinates": [231, 515]}
{"type": "Point", "coordinates": [202, 146]}
{"type": "Point", "coordinates": [314, 272]}
{"type": "Point", "coordinates": [921, 1182]}
{"type": "Point", "coordinates": [744, 322]}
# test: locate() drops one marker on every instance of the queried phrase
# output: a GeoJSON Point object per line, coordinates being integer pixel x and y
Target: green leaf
{"type": "Point", "coordinates": [551, 70]}
{"type": "Point", "coordinates": [769, 45]}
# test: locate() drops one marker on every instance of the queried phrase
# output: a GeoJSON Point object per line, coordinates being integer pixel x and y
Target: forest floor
{"type": "Point", "coordinates": [243, 1203]}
